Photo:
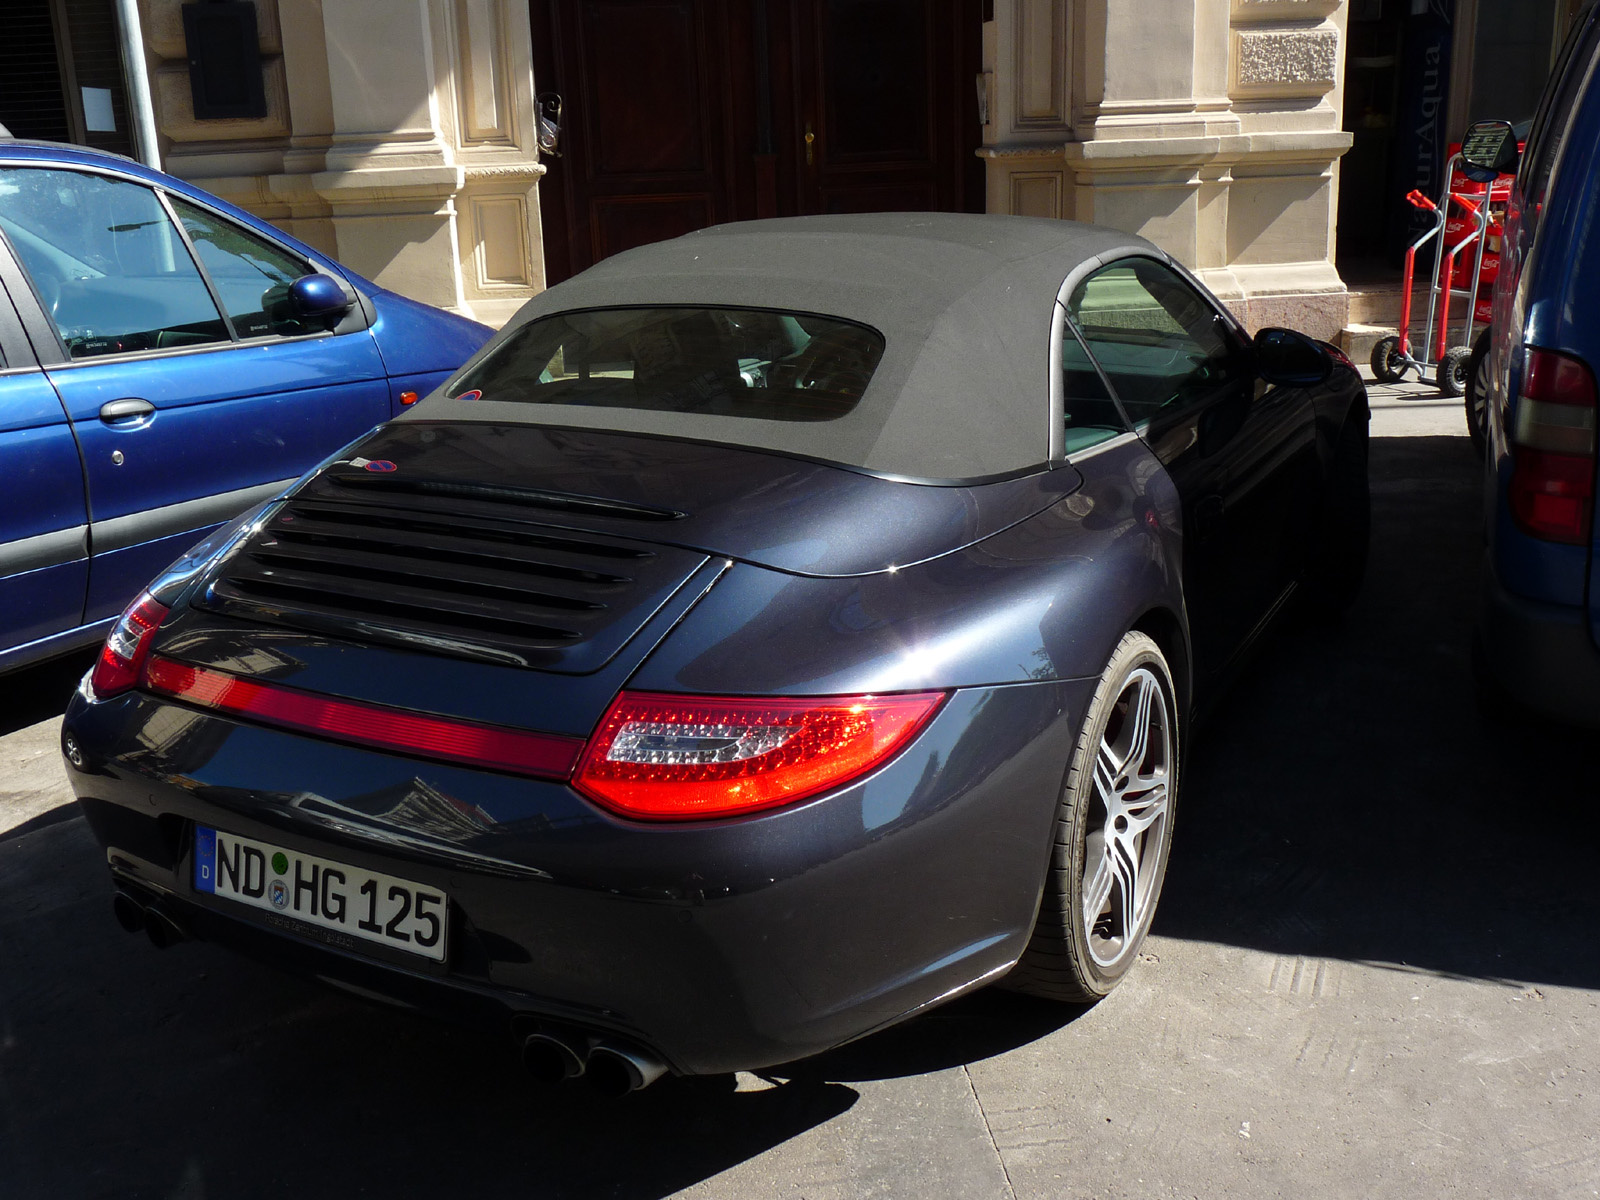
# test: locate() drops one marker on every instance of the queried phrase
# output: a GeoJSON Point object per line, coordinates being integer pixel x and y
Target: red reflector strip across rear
{"type": "Point", "coordinates": [542, 755]}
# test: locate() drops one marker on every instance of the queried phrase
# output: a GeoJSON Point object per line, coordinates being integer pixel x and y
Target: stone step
{"type": "Point", "coordinates": [1358, 339]}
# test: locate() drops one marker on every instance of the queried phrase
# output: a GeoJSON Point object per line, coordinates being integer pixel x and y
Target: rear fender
{"type": "Point", "coordinates": [1047, 599]}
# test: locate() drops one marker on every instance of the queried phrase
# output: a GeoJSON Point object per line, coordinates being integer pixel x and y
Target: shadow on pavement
{"type": "Point", "coordinates": [40, 692]}
{"type": "Point", "coordinates": [1349, 801]}
{"type": "Point", "coordinates": [191, 1072]}
{"type": "Point", "coordinates": [975, 1027]}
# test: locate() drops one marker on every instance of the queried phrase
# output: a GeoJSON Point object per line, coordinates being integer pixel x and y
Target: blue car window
{"type": "Point", "coordinates": [250, 274]}
{"type": "Point", "coordinates": [110, 267]}
{"type": "Point", "coordinates": [1159, 343]}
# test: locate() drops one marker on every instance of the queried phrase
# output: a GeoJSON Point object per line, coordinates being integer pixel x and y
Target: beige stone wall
{"type": "Point", "coordinates": [398, 137]}
{"type": "Point", "coordinates": [1211, 127]}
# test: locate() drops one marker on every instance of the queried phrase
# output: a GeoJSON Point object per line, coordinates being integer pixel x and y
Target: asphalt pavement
{"type": "Point", "coordinates": [1371, 975]}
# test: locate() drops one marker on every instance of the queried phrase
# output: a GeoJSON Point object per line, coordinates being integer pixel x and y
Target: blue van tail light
{"type": "Point", "coordinates": [1553, 448]}
{"type": "Point", "coordinates": [127, 646]}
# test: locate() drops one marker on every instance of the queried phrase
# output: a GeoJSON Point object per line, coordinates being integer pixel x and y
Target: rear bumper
{"type": "Point", "coordinates": [1541, 654]}
{"type": "Point", "coordinates": [719, 946]}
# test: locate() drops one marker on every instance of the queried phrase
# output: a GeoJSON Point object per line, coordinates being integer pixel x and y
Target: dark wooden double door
{"type": "Point", "coordinates": [678, 114]}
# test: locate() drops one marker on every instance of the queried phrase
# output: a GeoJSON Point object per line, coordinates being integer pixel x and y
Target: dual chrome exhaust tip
{"type": "Point", "coordinates": [611, 1068]}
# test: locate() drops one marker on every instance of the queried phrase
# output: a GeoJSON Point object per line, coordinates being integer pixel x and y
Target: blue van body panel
{"type": "Point", "coordinates": [1539, 622]}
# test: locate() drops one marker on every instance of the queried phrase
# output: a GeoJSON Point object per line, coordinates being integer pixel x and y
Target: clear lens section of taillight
{"type": "Point", "coordinates": [127, 646]}
{"type": "Point", "coordinates": [662, 757]}
{"type": "Point", "coordinates": [1553, 442]}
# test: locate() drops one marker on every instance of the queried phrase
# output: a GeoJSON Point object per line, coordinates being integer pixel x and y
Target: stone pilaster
{"type": "Point", "coordinates": [399, 137]}
{"type": "Point", "coordinates": [1209, 126]}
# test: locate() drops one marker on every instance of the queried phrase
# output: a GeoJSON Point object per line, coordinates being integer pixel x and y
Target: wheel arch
{"type": "Point", "coordinates": [1168, 631]}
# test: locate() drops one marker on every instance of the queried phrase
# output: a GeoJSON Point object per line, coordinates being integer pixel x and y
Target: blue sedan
{"type": "Point", "coordinates": [167, 361]}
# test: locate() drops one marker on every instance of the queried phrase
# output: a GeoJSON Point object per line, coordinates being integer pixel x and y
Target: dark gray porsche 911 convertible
{"type": "Point", "coordinates": [770, 634]}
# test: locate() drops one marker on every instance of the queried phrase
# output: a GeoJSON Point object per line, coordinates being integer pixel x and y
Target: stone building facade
{"type": "Point", "coordinates": [399, 135]}
{"type": "Point", "coordinates": [1211, 127]}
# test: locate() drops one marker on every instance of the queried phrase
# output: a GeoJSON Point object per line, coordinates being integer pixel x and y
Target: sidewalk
{"type": "Point", "coordinates": [1412, 409]}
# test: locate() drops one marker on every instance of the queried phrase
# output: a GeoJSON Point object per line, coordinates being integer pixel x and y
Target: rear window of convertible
{"type": "Point", "coordinates": [725, 362]}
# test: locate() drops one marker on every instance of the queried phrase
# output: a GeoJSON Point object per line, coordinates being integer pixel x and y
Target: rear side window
{"type": "Point", "coordinates": [107, 262]}
{"type": "Point", "coordinates": [251, 275]}
{"type": "Point", "coordinates": [725, 362]}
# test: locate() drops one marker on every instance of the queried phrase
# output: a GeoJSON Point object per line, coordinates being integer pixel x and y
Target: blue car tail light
{"type": "Point", "coordinates": [674, 758]}
{"type": "Point", "coordinates": [127, 646]}
{"type": "Point", "coordinates": [1553, 446]}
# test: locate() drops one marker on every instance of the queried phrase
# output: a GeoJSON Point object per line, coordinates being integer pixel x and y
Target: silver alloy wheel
{"type": "Point", "coordinates": [1126, 839]}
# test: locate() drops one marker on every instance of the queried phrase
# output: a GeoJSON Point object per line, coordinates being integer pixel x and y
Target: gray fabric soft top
{"type": "Point", "coordinates": [964, 303]}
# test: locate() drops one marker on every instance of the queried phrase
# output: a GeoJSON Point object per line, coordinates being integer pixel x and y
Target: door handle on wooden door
{"type": "Point", "coordinates": [810, 140]}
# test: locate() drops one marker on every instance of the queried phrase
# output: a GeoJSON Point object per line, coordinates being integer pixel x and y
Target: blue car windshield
{"type": "Point", "coordinates": [724, 362]}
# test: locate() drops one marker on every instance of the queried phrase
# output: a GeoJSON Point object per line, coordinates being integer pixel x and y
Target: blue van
{"type": "Point", "coordinates": [166, 362]}
{"type": "Point", "coordinates": [1538, 641]}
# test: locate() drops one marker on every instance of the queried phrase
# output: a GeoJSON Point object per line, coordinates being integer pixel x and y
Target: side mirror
{"type": "Point", "coordinates": [319, 300]}
{"type": "Point", "coordinates": [1285, 358]}
{"type": "Point", "coordinates": [1490, 149]}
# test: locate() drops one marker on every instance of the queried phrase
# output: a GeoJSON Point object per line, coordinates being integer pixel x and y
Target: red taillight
{"type": "Point", "coordinates": [1551, 492]}
{"type": "Point", "coordinates": [126, 646]}
{"type": "Point", "coordinates": [496, 747]}
{"type": "Point", "coordinates": [686, 757]}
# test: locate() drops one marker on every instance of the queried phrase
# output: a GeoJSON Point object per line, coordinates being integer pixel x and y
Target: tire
{"type": "Point", "coordinates": [1478, 393]}
{"type": "Point", "coordinates": [1112, 840]}
{"type": "Point", "coordinates": [1453, 371]}
{"type": "Point", "coordinates": [1388, 365]}
{"type": "Point", "coordinates": [1344, 526]}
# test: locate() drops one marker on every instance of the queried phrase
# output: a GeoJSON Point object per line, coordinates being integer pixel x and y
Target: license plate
{"type": "Point", "coordinates": [330, 895]}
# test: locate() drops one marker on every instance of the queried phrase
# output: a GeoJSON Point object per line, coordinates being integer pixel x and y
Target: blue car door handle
{"type": "Point", "coordinates": [129, 409]}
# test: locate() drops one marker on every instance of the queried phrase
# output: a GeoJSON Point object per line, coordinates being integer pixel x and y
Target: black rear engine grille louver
{"type": "Point", "coordinates": [462, 585]}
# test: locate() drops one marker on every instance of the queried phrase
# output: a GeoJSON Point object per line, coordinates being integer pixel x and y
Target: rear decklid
{"type": "Point", "coordinates": [508, 555]}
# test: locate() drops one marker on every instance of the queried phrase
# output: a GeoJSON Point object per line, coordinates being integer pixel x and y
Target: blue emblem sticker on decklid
{"type": "Point", "coordinates": [205, 860]}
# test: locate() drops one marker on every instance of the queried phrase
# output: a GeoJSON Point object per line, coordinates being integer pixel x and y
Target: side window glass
{"type": "Point", "coordinates": [1091, 413]}
{"type": "Point", "coordinates": [1549, 133]}
{"type": "Point", "coordinates": [1162, 346]}
{"type": "Point", "coordinates": [251, 275]}
{"type": "Point", "coordinates": [109, 266]}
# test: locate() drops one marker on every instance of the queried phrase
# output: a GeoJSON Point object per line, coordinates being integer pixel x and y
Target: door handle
{"type": "Point", "coordinates": [810, 140]}
{"type": "Point", "coordinates": [130, 408]}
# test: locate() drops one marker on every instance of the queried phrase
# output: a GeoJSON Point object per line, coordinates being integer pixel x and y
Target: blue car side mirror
{"type": "Point", "coordinates": [319, 300]}
{"type": "Point", "coordinates": [1285, 358]}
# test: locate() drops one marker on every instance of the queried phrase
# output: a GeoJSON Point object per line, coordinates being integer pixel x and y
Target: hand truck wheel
{"type": "Point", "coordinates": [1454, 371]}
{"type": "Point", "coordinates": [1388, 364]}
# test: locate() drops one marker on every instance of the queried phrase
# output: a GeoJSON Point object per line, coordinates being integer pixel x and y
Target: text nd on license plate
{"type": "Point", "coordinates": [332, 895]}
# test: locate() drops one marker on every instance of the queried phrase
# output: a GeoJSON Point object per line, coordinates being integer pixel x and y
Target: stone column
{"type": "Point", "coordinates": [399, 138]}
{"type": "Point", "coordinates": [1207, 126]}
